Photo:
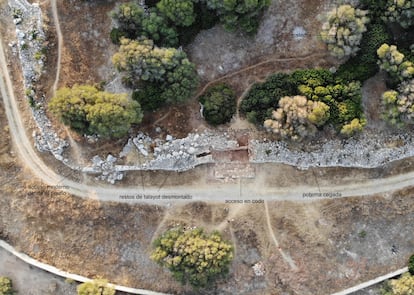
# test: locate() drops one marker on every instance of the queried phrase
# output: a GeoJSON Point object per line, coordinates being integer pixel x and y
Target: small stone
{"type": "Point", "coordinates": [191, 150]}
{"type": "Point", "coordinates": [169, 137]}
{"type": "Point", "coordinates": [110, 159]}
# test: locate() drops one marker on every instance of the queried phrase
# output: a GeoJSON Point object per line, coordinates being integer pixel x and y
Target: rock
{"type": "Point", "coordinates": [191, 150]}
{"type": "Point", "coordinates": [299, 33]}
{"type": "Point", "coordinates": [169, 137]}
{"type": "Point", "coordinates": [259, 269]}
{"type": "Point", "coordinates": [110, 159]}
{"type": "Point", "coordinates": [97, 161]}
{"type": "Point", "coordinates": [158, 129]}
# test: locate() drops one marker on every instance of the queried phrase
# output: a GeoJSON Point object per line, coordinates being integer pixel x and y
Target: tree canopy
{"type": "Point", "coordinates": [95, 287]}
{"type": "Point", "coordinates": [297, 117]}
{"type": "Point", "coordinates": [316, 85]}
{"type": "Point", "coordinates": [142, 62]}
{"type": "Point", "coordinates": [89, 111]}
{"type": "Point", "coordinates": [243, 14]}
{"type": "Point", "coordinates": [193, 256]}
{"type": "Point", "coordinates": [6, 286]}
{"type": "Point", "coordinates": [394, 63]}
{"type": "Point", "coordinates": [401, 12]}
{"type": "Point", "coordinates": [343, 30]}
{"type": "Point", "coordinates": [402, 286]}
{"type": "Point", "coordinates": [181, 12]}
{"type": "Point", "coordinates": [219, 104]}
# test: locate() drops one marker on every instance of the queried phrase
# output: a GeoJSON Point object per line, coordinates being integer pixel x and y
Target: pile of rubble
{"type": "Point", "coordinates": [370, 150]}
{"type": "Point", "coordinates": [30, 38]}
{"type": "Point", "coordinates": [105, 168]}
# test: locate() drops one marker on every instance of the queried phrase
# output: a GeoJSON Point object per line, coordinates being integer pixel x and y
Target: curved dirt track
{"type": "Point", "coordinates": [203, 191]}
{"type": "Point", "coordinates": [59, 43]}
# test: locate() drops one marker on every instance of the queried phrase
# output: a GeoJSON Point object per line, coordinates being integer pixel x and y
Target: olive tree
{"type": "Point", "coordinates": [193, 256]}
{"type": "Point", "coordinates": [399, 105]}
{"type": "Point", "coordinates": [343, 30]}
{"type": "Point", "coordinates": [181, 13]}
{"type": "Point", "coordinates": [399, 11]}
{"type": "Point", "coordinates": [243, 14]}
{"type": "Point", "coordinates": [297, 117]}
{"type": "Point", "coordinates": [6, 286]}
{"type": "Point", "coordinates": [88, 110]}
{"type": "Point", "coordinates": [219, 104]}
{"type": "Point", "coordinates": [394, 63]}
{"type": "Point", "coordinates": [95, 287]}
{"type": "Point", "coordinates": [143, 62]}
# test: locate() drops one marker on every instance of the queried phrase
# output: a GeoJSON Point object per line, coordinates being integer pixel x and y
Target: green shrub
{"type": "Point", "coordinates": [263, 98]}
{"type": "Point", "coordinates": [6, 286]}
{"type": "Point", "coordinates": [237, 14]}
{"type": "Point", "coordinates": [89, 111]}
{"type": "Point", "coordinates": [343, 30]}
{"type": "Point", "coordinates": [219, 104]}
{"type": "Point", "coordinates": [411, 264]}
{"type": "Point", "coordinates": [364, 65]}
{"type": "Point", "coordinates": [376, 8]}
{"type": "Point", "coordinates": [193, 256]}
{"type": "Point", "coordinates": [116, 34]}
{"type": "Point", "coordinates": [95, 287]}
{"type": "Point", "coordinates": [149, 97]}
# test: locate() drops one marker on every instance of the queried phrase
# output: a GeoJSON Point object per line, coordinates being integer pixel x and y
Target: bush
{"type": "Point", "coordinates": [239, 14]}
{"type": "Point", "coordinates": [401, 12]}
{"type": "Point", "coordinates": [219, 104]}
{"type": "Point", "coordinates": [399, 106]}
{"type": "Point", "coordinates": [180, 13]}
{"type": "Point", "coordinates": [402, 286]}
{"type": "Point", "coordinates": [168, 68]}
{"type": "Point", "coordinates": [342, 98]}
{"type": "Point", "coordinates": [129, 18]}
{"type": "Point", "coordinates": [411, 264]}
{"type": "Point", "coordinates": [263, 98]}
{"type": "Point", "coordinates": [6, 286]}
{"type": "Point", "coordinates": [95, 287]}
{"type": "Point", "coordinates": [343, 30]}
{"type": "Point", "coordinates": [149, 97]}
{"type": "Point", "coordinates": [352, 128]}
{"type": "Point", "coordinates": [364, 65]}
{"type": "Point", "coordinates": [90, 111]}
{"type": "Point", "coordinates": [376, 8]}
{"type": "Point", "coordinates": [297, 117]}
{"type": "Point", "coordinates": [193, 256]}
{"type": "Point", "coordinates": [394, 63]}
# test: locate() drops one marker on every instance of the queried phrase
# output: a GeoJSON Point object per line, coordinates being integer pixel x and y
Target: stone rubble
{"type": "Point", "coordinates": [369, 150]}
{"type": "Point", "coordinates": [259, 269]}
{"type": "Point", "coordinates": [30, 38]}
